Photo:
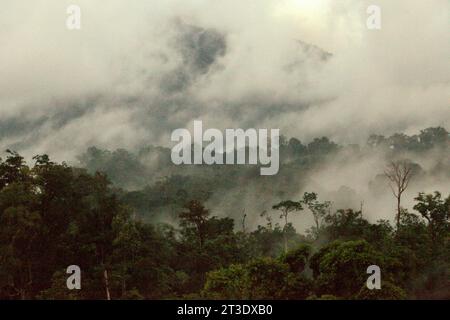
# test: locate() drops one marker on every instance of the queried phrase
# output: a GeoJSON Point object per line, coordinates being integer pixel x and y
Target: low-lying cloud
{"type": "Point", "coordinates": [137, 70]}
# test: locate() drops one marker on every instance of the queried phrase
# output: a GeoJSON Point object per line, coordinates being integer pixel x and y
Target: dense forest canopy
{"type": "Point", "coordinates": [346, 175]}
{"type": "Point", "coordinates": [141, 228]}
{"type": "Point", "coordinates": [91, 96]}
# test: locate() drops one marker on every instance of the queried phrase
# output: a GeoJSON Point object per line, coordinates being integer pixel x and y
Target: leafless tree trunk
{"type": "Point", "coordinates": [244, 229]}
{"type": "Point", "coordinates": [105, 276]}
{"type": "Point", "coordinates": [284, 231]}
{"type": "Point", "coordinates": [399, 174]}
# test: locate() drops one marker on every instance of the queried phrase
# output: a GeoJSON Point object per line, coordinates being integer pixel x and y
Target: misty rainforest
{"type": "Point", "coordinates": [92, 206]}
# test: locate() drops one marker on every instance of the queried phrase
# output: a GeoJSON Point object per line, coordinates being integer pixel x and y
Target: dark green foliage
{"type": "Point", "coordinates": [437, 213]}
{"type": "Point", "coordinates": [388, 291]}
{"type": "Point", "coordinates": [263, 278]}
{"type": "Point", "coordinates": [340, 268]}
{"type": "Point", "coordinates": [297, 258]}
{"type": "Point", "coordinates": [53, 215]}
{"type": "Point", "coordinates": [157, 242]}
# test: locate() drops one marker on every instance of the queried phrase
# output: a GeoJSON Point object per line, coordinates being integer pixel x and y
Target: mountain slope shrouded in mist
{"type": "Point", "coordinates": [350, 176]}
{"type": "Point", "coordinates": [88, 184]}
{"type": "Point", "coordinates": [197, 235]}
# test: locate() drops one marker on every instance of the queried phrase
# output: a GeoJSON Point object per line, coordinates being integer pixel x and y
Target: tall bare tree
{"type": "Point", "coordinates": [318, 209]}
{"type": "Point", "coordinates": [286, 207]}
{"type": "Point", "coordinates": [399, 174]}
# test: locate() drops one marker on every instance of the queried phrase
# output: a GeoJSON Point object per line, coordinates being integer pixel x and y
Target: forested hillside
{"type": "Point", "coordinates": [347, 175]}
{"type": "Point", "coordinates": [142, 228]}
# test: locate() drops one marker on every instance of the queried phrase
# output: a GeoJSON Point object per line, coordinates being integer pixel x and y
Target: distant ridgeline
{"type": "Point", "coordinates": [154, 182]}
{"type": "Point", "coordinates": [132, 170]}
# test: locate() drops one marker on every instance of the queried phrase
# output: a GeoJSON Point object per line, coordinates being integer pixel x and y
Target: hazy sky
{"type": "Point", "coordinates": [139, 69]}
